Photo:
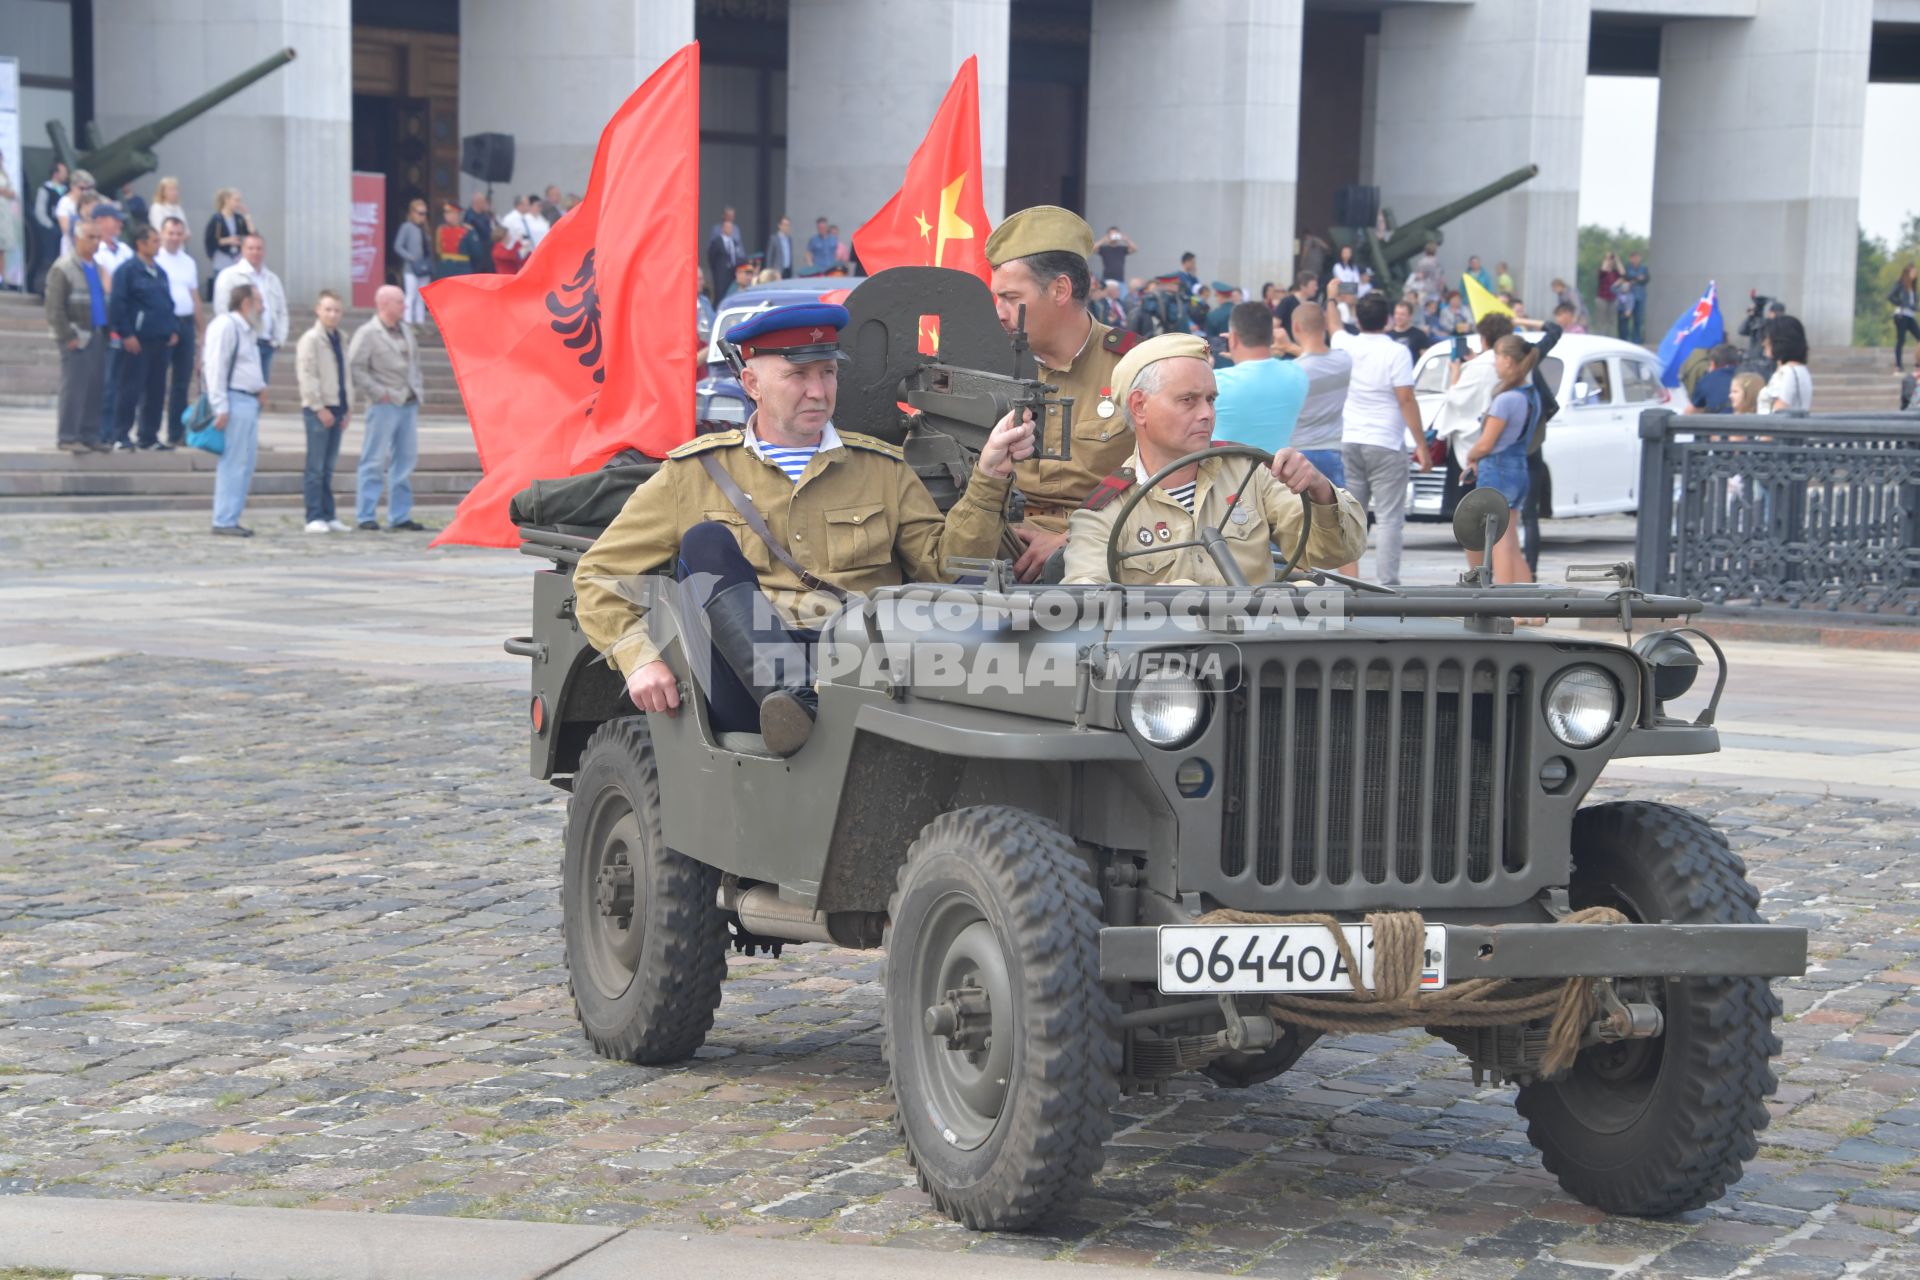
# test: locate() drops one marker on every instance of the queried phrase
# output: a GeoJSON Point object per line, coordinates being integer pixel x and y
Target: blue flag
{"type": "Point", "coordinates": [1698, 327]}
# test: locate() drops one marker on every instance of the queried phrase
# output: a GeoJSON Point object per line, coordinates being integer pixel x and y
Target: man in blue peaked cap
{"type": "Point", "coordinates": [784, 512]}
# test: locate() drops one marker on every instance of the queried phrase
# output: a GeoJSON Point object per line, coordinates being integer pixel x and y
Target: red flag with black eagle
{"type": "Point", "coordinates": [938, 218]}
{"type": "Point", "coordinates": [589, 349]}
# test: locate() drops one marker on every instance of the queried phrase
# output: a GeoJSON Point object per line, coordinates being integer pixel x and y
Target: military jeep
{"type": "Point", "coordinates": [1085, 825]}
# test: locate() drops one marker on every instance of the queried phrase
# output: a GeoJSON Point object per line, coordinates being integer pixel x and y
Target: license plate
{"type": "Point", "coordinates": [1227, 958]}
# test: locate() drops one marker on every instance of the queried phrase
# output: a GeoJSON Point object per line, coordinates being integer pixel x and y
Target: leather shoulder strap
{"type": "Point", "coordinates": [731, 490]}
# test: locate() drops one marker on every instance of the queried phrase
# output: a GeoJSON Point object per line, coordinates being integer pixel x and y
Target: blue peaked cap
{"type": "Point", "coordinates": [803, 332]}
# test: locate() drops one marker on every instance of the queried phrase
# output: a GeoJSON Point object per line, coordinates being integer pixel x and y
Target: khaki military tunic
{"type": "Point", "coordinates": [858, 517]}
{"type": "Point", "coordinates": [1100, 445]}
{"type": "Point", "coordinates": [1268, 514]}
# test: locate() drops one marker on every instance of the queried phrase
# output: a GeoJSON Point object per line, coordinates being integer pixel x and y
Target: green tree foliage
{"type": "Point", "coordinates": [1594, 243]}
{"type": "Point", "coordinates": [1878, 267]}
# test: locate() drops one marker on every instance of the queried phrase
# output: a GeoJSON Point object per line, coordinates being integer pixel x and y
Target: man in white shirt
{"type": "Point", "coordinates": [107, 224]}
{"type": "Point", "coordinates": [525, 227]}
{"type": "Point", "coordinates": [183, 277]}
{"type": "Point", "coordinates": [1380, 414]}
{"type": "Point", "coordinates": [234, 381]}
{"type": "Point", "coordinates": [271, 322]}
{"type": "Point", "coordinates": [67, 208]}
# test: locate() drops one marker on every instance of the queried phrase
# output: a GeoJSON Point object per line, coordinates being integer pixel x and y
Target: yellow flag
{"type": "Point", "coordinates": [1480, 302]}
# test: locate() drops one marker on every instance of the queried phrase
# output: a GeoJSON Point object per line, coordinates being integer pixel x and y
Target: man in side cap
{"type": "Point", "coordinates": [785, 512]}
{"type": "Point", "coordinates": [1168, 392]}
{"type": "Point", "coordinates": [1039, 259]}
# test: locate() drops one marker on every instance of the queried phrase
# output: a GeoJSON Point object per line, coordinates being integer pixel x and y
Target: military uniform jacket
{"type": "Point", "coordinates": [1272, 518]}
{"type": "Point", "coordinates": [858, 518]}
{"type": "Point", "coordinates": [1100, 445]}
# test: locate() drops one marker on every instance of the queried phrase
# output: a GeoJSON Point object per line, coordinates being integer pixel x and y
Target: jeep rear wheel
{"type": "Point", "coordinates": [1000, 1042]}
{"type": "Point", "coordinates": [1659, 1126]}
{"type": "Point", "coordinates": [646, 942]}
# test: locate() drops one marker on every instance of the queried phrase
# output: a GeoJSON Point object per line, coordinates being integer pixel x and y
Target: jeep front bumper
{"type": "Point", "coordinates": [1130, 953]}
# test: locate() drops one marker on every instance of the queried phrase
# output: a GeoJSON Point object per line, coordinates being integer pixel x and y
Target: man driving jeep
{"type": "Point", "coordinates": [787, 510]}
{"type": "Point", "coordinates": [1168, 395]}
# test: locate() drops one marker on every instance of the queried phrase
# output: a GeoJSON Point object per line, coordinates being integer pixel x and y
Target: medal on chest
{"type": "Point", "coordinates": [1145, 536]}
{"type": "Point", "coordinates": [1239, 514]}
{"type": "Point", "coordinates": [1160, 529]}
{"type": "Point", "coordinates": [1105, 409]}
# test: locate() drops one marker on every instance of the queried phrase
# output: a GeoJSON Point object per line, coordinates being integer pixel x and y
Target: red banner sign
{"type": "Point", "coordinates": [369, 222]}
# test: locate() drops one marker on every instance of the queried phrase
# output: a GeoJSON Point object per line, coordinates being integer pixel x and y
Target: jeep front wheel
{"type": "Point", "coordinates": [1659, 1126]}
{"type": "Point", "coordinates": [1001, 1045]}
{"type": "Point", "coordinates": [646, 942]}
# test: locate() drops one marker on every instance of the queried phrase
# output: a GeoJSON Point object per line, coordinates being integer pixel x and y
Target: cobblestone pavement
{"type": "Point", "coordinates": [295, 941]}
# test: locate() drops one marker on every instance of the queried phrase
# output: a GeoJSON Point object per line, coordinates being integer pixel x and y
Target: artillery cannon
{"type": "Point", "coordinates": [1389, 256]}
{"type": "Point", "coordinates": [114, 164]}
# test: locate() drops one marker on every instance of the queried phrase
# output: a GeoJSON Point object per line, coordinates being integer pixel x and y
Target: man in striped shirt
{"type": "Point", "coordinates": [1167, 386]}
{"type": "Point", "coordinates": [787, 512]}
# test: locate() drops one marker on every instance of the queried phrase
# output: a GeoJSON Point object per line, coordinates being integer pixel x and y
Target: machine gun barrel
{"type": "Point", "coordinates": [127, 157]}
{"type": "Point", "coordinates": [966, 403]}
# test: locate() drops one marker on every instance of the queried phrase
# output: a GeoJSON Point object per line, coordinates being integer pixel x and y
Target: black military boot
{"type": "Point", "coordinates": [770, 663]}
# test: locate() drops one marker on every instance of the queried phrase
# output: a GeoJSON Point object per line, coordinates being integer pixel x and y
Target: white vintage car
{"type": "Point", "coordinates": [1593, 444]}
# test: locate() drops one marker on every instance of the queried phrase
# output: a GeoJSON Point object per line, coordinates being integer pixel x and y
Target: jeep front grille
{"type": "Point", "coordinates": [1384, 772]}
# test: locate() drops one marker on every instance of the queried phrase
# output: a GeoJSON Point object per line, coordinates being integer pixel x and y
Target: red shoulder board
{"type": "Point", "coordinates": [1120, 341]}
{"type": "Point", "coordinates": [1109, 489]}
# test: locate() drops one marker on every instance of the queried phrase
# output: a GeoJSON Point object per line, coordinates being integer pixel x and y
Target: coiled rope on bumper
{"type": "Point", "coordinates": [1395, 999]}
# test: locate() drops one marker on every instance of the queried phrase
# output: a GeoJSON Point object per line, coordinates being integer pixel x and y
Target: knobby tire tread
{"type": "Point", "coordinates": [1063, 1103]}
{"type": "Point", "coordinates": [1697, 1149]}
{"type": "Point", "coordinates": [685, 961]}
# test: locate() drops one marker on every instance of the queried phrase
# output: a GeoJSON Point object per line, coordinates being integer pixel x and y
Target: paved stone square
{"type": "Point", "coordinates": [277, 931]}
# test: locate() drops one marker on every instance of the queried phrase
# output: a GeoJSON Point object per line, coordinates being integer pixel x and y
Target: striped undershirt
{"type": "Point", "coordinates": [791, 461]}
{"type": "Point", "coordinates": [1182, 494]}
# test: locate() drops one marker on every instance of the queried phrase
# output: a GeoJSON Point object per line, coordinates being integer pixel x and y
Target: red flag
{"type": "Point", "coordinates": [588, 350]}
{"type": "Point", "coordinates": [938, 218]}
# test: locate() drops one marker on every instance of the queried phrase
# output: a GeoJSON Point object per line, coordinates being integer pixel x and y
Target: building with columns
{"type": "Point", "coordinates": [1220, 126]}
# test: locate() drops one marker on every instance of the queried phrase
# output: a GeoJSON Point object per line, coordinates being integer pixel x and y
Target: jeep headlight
{"type": "Point", "coordinates": [1674, 662]}
{"type": "Point", "coordinates": [1167, 708]}
{"type": "Point", "coordinates": [1582, 704]}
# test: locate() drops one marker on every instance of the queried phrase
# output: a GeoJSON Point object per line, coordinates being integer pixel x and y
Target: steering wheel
{"type": "Point", "coordinates": [1212, 538]}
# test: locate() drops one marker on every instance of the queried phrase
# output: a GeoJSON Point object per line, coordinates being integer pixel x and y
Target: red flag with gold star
{"type": "Point", "coordinates": [938, 218]}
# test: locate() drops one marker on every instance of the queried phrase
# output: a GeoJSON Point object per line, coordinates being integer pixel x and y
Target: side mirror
{"type": "Point", "coordinates": [1480, 520]}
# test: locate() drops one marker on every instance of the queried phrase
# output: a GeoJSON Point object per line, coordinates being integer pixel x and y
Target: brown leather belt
{"type": "Point", "coordinates": [1048, 509]}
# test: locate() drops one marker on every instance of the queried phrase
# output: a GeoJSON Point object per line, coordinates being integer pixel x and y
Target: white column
{"type": "Point", "coordinates": [285, 141]}
{"type": "Point", "coordinates": [1216, 171]}
{"type": "Point", "coordinates": [551, 75]}
{"type": "Point", "coordinates": [1756, 183]}
{"type": "Point", "coordinates": [863, 81]}
{"type": "Point", "coordinates": [1468, 93]}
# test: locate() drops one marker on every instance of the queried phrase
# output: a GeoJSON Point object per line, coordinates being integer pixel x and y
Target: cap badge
{"type": "Point", "coordinates": [816, 334]}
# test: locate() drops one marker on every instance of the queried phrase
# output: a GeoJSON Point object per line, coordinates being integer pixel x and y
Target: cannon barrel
{"type": "Point", "coordinates": [1412, 235]}
{"type": "Point", "coordinates": [129, 156]}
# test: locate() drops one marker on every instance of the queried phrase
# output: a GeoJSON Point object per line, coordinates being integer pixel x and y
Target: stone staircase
{"type": "Point", "coordinates": [35, 478]}
{"type": "Point", "coordinates": [1854, 379]}
{"type": "Point", "coordinates": [30, 368]}
{"type": "Point", "coordinates": [47, 481]}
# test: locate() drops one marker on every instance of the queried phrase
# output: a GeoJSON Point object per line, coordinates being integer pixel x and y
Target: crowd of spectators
{"type": "Point", "coordinates": [1326, 367]}
{"type": "Point", "coordinates": [125, 300]}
